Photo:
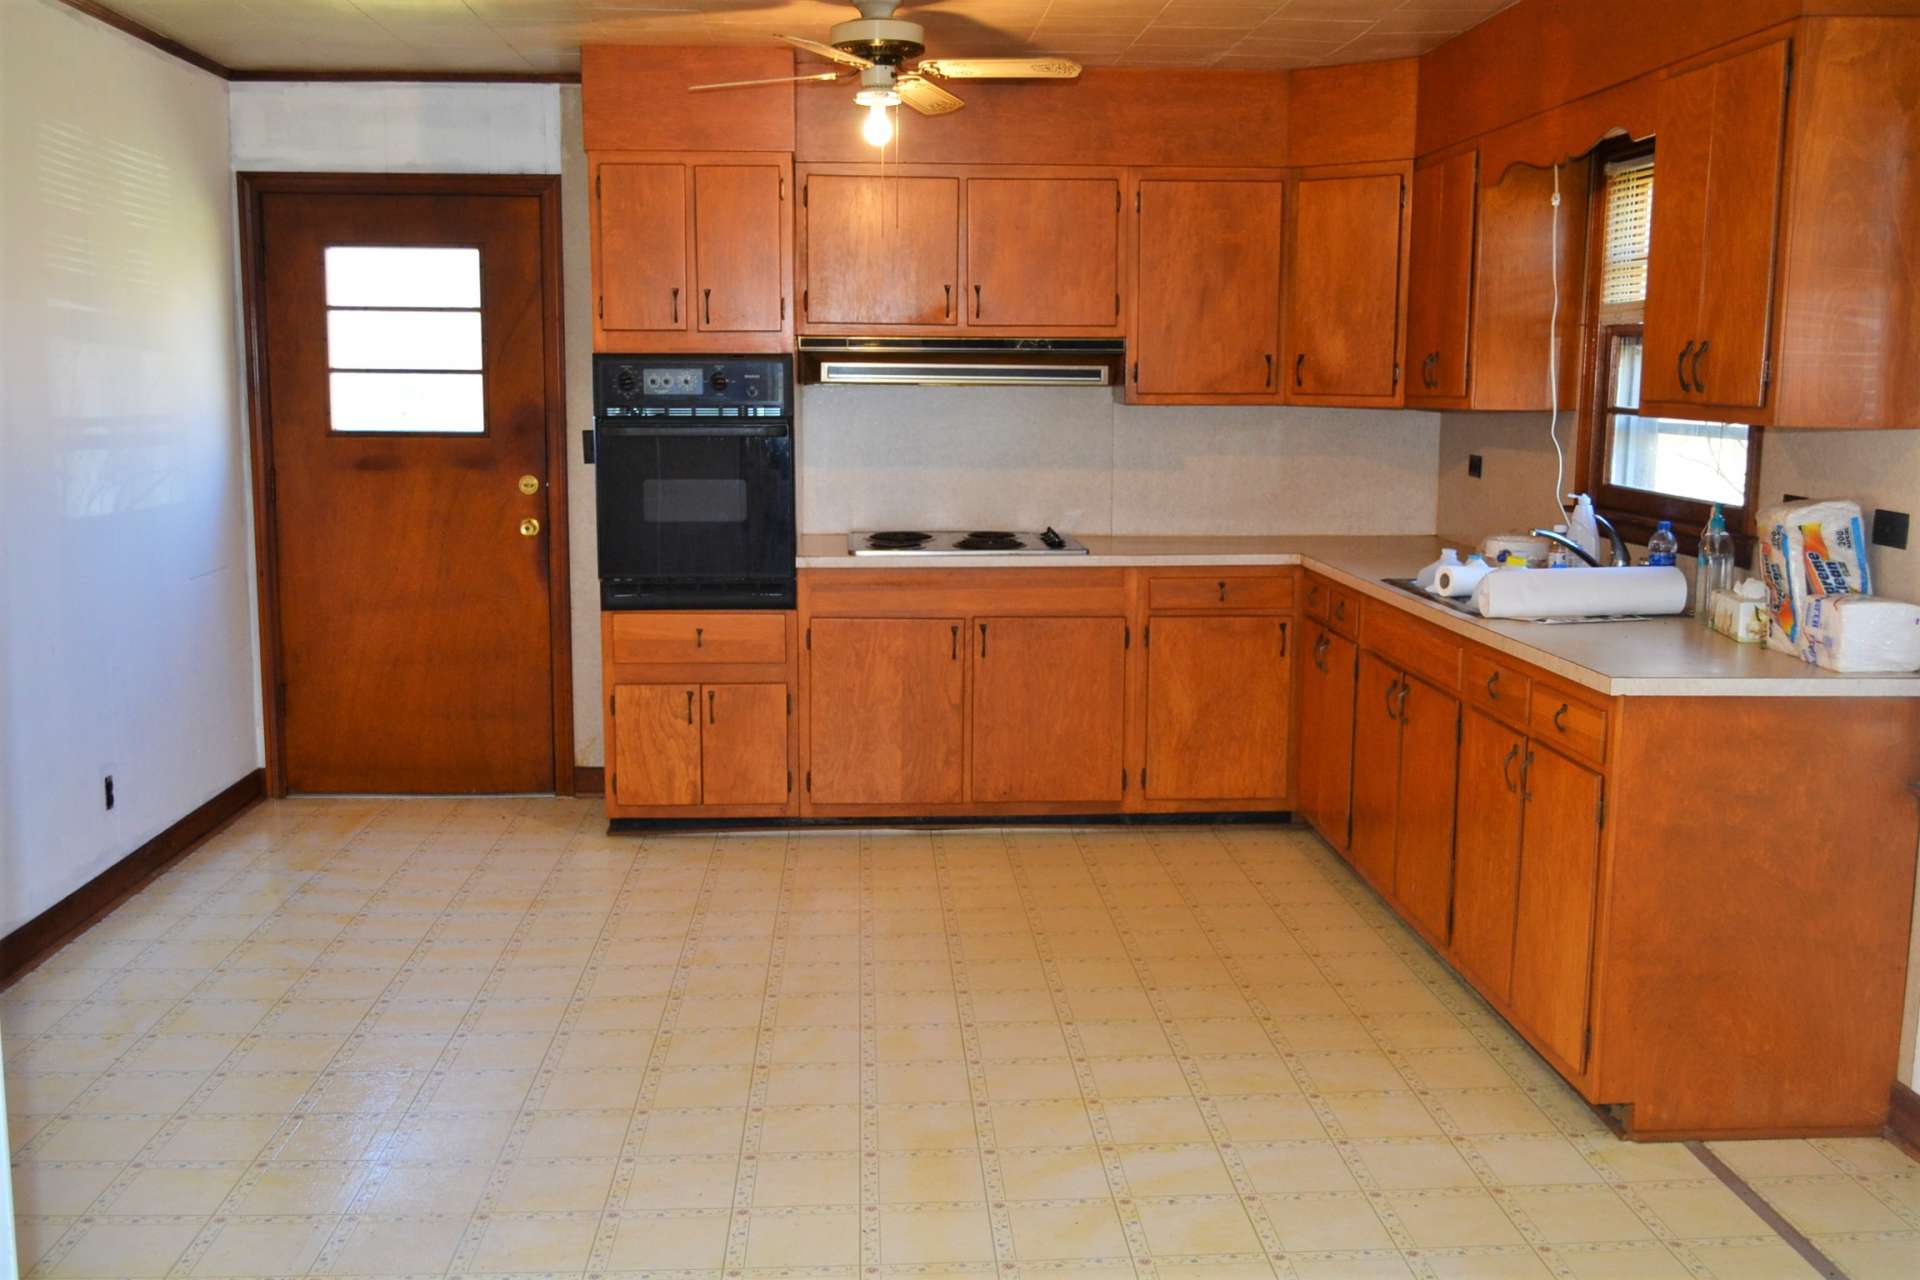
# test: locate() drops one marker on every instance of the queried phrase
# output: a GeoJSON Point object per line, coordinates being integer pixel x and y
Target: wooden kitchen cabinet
{"type": "Point", "coordinates": [1553, 933]}
{"type": "Point", "coordinates": [1347, 286]}
{"type": "Point", "coordinates": [1440, 285]}
{"type": "Point", "coordinates": [692, 251]}
{"type": "Point", "coordinates": [656, 744]}
{"type": "Point", "coordinates": [886, 703]}
{"type": "Point", "coordinates": [743, 744]}
{"type": "Point", "coordinates": [1043, 252]}
{"type": "Point", "coordinates": [1710, 276]}
{"type": "Point", "coordinates": [1376, 770]}
{"type": "Point", "coordinates": [686, 744]}
{"type": "Point", "coordinates": [1405, 754]}
{"type": "Point", "coordinates": [1217, 691]}
{"type": "Point", "coordinates": [1324, 767]}
{"type": "Point", "coordinates": [1049, 710]}
{"type": "Point", "coordinates": [1207, 287]}
{"type": "Point", "coordinates": [1486, 875]}
{"type": "Point", "coordinates": [881, 250]}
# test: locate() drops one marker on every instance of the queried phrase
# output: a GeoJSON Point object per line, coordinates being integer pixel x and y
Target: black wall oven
{"type": "Point", "coordinates": [694, 476]}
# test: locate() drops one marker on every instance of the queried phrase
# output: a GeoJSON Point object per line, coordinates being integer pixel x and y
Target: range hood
{"type": "Point", "coordinates": [963, 362]}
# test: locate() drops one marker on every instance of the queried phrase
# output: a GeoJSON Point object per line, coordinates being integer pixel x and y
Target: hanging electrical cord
{"type": "Point", "coordinates": [1553, 361]}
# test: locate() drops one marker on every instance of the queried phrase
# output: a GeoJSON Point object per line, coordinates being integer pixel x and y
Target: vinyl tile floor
{"type": "Point", "coordinates": [487, 1038]}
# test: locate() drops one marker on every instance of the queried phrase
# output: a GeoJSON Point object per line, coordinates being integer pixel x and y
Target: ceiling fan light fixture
{"type": "Point", "coordinates": [877, 129]}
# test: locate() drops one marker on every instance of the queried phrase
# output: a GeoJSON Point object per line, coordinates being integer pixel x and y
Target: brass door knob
{"type": "Point", "coordinates": [529, 485]}
{"type": "Point", "coordinates": [529, 527]}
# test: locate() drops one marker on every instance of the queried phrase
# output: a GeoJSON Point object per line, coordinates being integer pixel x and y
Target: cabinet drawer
{"type": "Point", "coordinates": [1496, 687]}
{"type": "Point", "coordinates": [1318, 596]}
{"type": "Point", "coordinates": [1343, 611]}
{"type": "Point", "coordinates": [1574, 725]}
{"type": "Point", "coordinates": [1411, 644]}
{"type": "Point", "coordinates": [1274, 592]}
{"type": "Point", "coordinates": [700, 637]}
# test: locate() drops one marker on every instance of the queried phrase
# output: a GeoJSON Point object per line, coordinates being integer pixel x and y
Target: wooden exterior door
{"type": "Point", "coordinates": [882, 250]}
{"type": "Point", "coordinates": [1486, 875]}
{"type": "Point", "coordinates": [1553, 925]}
{"type": "Point", "coordinates": [1043, 252]}
{"type": "Point", "coordinates": [743, 744]}
{"type": "Point", "coordinates": [1049, 709]}
{"type": "Point", "coordinates": [886, 708]}
{"type": "Point", "coordinates": [1326, 734]}
{"type": "Point", "coordinates": [1423, 835]}
{"type": "Point", "coordinates": [656, 744]}
{"type": "Point", "coordinates": [407, 348]}
{"type": "Point", "coordinates": [1376, 769]}
{"type": "Point", "coordinates": [1216, 707]}
{"type": "Point", "coordinates": [1207, 306]}
{"type": "Point", "coordinates": [641, 249]}
{"type": "Point", "coordinates": [1440, 291]}
{"type": "Point", "coordinates": [737, 214]}
{"type": "Point", "coordinates": [1343, 297]}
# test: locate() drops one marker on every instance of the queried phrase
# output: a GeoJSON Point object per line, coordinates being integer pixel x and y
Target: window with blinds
{"type": "Point", "coordinates": [1628, 197]}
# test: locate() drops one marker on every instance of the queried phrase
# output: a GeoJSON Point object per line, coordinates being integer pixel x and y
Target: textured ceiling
{"type": "Point", "coordinates": [546, 35]}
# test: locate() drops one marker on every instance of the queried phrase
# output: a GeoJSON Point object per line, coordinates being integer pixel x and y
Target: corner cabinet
{"type": "Point", "coordinates": [1347, 286]}
{"type": "Point", "coordinates": [692, 252]}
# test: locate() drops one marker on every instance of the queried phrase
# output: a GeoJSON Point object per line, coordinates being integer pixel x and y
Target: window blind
{"type": "Point", "coordinates": [1629, 232]}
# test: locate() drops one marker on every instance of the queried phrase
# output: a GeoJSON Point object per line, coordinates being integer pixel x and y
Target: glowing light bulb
{"type": "Point", "coordinates": [878, 129]}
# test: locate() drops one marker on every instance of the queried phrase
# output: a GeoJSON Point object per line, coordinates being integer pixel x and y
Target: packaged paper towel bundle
{"type": "Point", "coordinates": [1863, 633]}
{"type": "Point", "coordinates": [1809, 551]}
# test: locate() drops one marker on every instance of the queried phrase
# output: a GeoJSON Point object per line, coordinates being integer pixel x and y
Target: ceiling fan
{"type": "Point", "coordinates": [876, 45]}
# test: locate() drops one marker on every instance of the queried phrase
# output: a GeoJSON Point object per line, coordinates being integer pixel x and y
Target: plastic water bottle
{"type": "Point", "coordinates": [1713, 566]}
{"type": "Point", "coordinates": [1662, 547]}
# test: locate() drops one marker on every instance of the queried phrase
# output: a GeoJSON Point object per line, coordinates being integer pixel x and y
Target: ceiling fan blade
{"type": "Point", "coordinates": [827, 51]}
{"type": "Point", "coordinates": [1000, 68]}
{"type": "Point", "coordinates": [926, 97]}
{"type": "Point", "coordinates": [748, 84]}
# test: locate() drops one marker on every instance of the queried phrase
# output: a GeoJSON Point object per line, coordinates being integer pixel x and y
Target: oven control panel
{"type": "Point", "coordinates": [678, 386]}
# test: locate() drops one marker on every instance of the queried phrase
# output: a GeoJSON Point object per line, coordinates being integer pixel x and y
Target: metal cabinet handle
{"type": "Point", "coordinates": [1492, 692]}
{"type": "Point", "coordinates": [1299, 361]}
{"type": "Point", "coordinates": [1223, 592]}
{"type": "Point", "coordinates": [1559, 718]}
{"type": "Point", "coordinates": [709, 706]}
{"type": "Point", "coordinates": [949, 291]}
{"type": "Point", "coordinates": [689, 706]}
{"type": "Point", "coordinates": [976, 302]}
{"type": "Point", "coordinates": [676, 304]}
{"type": "Point", "coordinates": [1269, 360]}
{"type": "Point", "coordinates": [1680, 366]}
{"type": "Point", "coordinates": [1698, 384]}
{"type": "Point", "coordinates": [1340, 609]}
{"type": "Point", "coordinates": [1506, 767]}
{"type": "Point", "coordinates": [1283, 639]}
{"type": "Point", "coordinates": [1390, 692]}
{"type": "Point", "coordinates": [1405, 689]}
{"type": "Point", "coordinates": [1526, 776]}
{"type": "Point", "coordinates": [698, 632]}
{"type": "Point", "coordinates": [707, 302]}
{"type": "Point", "coordinates": [1320, 647]}
{"type": "Point", "coordinates": [983, 639]}
{"type": "Point", "coordinates": [955, 654]}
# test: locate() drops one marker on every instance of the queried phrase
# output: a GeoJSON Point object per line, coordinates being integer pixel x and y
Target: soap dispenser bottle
{"type": "Point", "coordinates": [1582, 527]}
{"type": "Point", "coordinates": [1712, 566]}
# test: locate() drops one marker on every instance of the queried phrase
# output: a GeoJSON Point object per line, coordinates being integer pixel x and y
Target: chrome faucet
{"type": "Point", "coordinates": [1620, 557]}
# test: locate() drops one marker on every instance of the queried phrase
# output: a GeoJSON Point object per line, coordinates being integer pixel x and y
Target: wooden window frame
{"type": "Point", "coordinates": [1636, 512]}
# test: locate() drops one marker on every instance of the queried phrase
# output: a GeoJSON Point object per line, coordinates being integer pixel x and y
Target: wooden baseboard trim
{"type": "Point", "coordinates": [589, 780]}
{"type": "Point", "coordinates": [23, 949]}
{"type": "Point", "coordinates": [1903, 1119]}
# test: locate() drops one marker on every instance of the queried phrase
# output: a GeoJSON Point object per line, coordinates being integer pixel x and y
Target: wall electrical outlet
{"type": "Point", "coordinates": [1473, 465]}
{"type": "Point", "coordinates": [107, 786]}
{"type": "Point", "coordinates": [1890, 529]}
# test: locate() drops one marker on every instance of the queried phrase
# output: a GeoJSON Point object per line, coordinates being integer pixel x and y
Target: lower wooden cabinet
{"type": "Point", "coordinates": [1217, 691]}
{"type": "Point", "coordinates": [1049, 709]}
{"type": "Point", "coordinates": [1324, 767]}
{"type": "Point", "coordinates": [1486, 875]}
{"type": "Point", "coordinates": [1554, 911]}
{"type": "Point", "coordinates": [1404, 751]}
{"type": "Point", "coordinates": [677, 745]}
{"type": "Point", "coordinates": [886, 703]}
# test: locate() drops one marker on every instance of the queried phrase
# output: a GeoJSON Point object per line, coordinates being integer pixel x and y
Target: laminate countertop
{"type": "Point", "coordinates": [1668, 657]}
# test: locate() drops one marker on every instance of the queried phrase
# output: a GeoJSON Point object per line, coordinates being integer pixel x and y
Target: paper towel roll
{"type": "Point", "coordinates": [1459, 580]}
{"type": "Point", "coordinates": [1577, 593]}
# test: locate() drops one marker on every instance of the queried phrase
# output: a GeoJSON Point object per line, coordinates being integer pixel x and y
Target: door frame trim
{"type": "Point", "coordinates": [545, 188]}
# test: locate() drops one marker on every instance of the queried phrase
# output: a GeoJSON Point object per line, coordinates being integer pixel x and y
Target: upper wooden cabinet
{"type": "Point", "coordinates": [1440, 289]}
{"type": "Point", "coordinates": [944, 248]}
{"type": "Point", "coordinates": [1711, 274]}
{"type": "Point", "coordinates": [1043, 253]}
{"type": "Point", "coordinates": [692, 252]}
{"type": "Point", "coordinates": [1206, 295]}
{"type": "Point", "coordinates": [1347, 286]}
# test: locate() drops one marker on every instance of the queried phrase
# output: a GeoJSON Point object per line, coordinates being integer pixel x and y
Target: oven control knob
{"type": "Point", "coordinates": [626, 383]}
{"type": "Point", "coordinates": [718, 382]}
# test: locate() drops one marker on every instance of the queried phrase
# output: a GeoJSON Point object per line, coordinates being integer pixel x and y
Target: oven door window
{"type": "Point", "coordinates": [682, 503]}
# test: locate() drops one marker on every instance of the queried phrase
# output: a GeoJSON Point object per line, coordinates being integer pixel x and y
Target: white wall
{"type": "Point", "coordinates": [124, 581]}
{"type": "Point", "coordinates": [396, 128]}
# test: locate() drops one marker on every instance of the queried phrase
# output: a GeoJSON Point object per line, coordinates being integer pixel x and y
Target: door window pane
{"type": "Point", "coordinates": [445, 403]}
{"type": "Point", "coordinates": [403, 339]}
{"type": "Point", "coordinates": [380, 276]}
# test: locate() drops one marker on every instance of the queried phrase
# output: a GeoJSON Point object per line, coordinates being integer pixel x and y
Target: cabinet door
{"type": "Point", "coordinates": [743, 744]}
{"type": "Point", "coordinates": [885, 704]}
{"type": "Point", "coordinates": [656, 744]}
{"type": "Point", "coordinates": [1486, 872]}
{"type": "Point", "coordinates": [1216, 708]}
{"type": "Point", "coordinates": [1207, 316]}
{"type": "Point", "coordinates": [1343, 308]}
{"type": "Point", "coordinates": [1423, 835]}
{"type": "Point", "coordinates": [1677, 253]}
{"type": "Point", "coordinates": [1441, 265]}
{"type": "Point", "coordinates": [1326, 735]}
{"type": "Point", "coordinates": [737, 213]}
{"type": "Point", "coordinates": [882, 250]}
{"type": "Point", "coordinates": [1043, 252]}
{"type": "Point", "coordinates": [1553, 925]}
{"type": "Point", "coordinates": [1049, 709]}
{"type": "Point", "coordinates": [1743, 213]}
{"type": "Point", "coordinates": [1376, 769]}
{"type": "Point", "coordinates": [641, 257]}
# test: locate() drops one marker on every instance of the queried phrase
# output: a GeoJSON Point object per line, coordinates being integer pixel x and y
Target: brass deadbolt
{"type": "Point", "coordinates": [529, 527]}
{"type": "Point", "coordinates": [529, 485]}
